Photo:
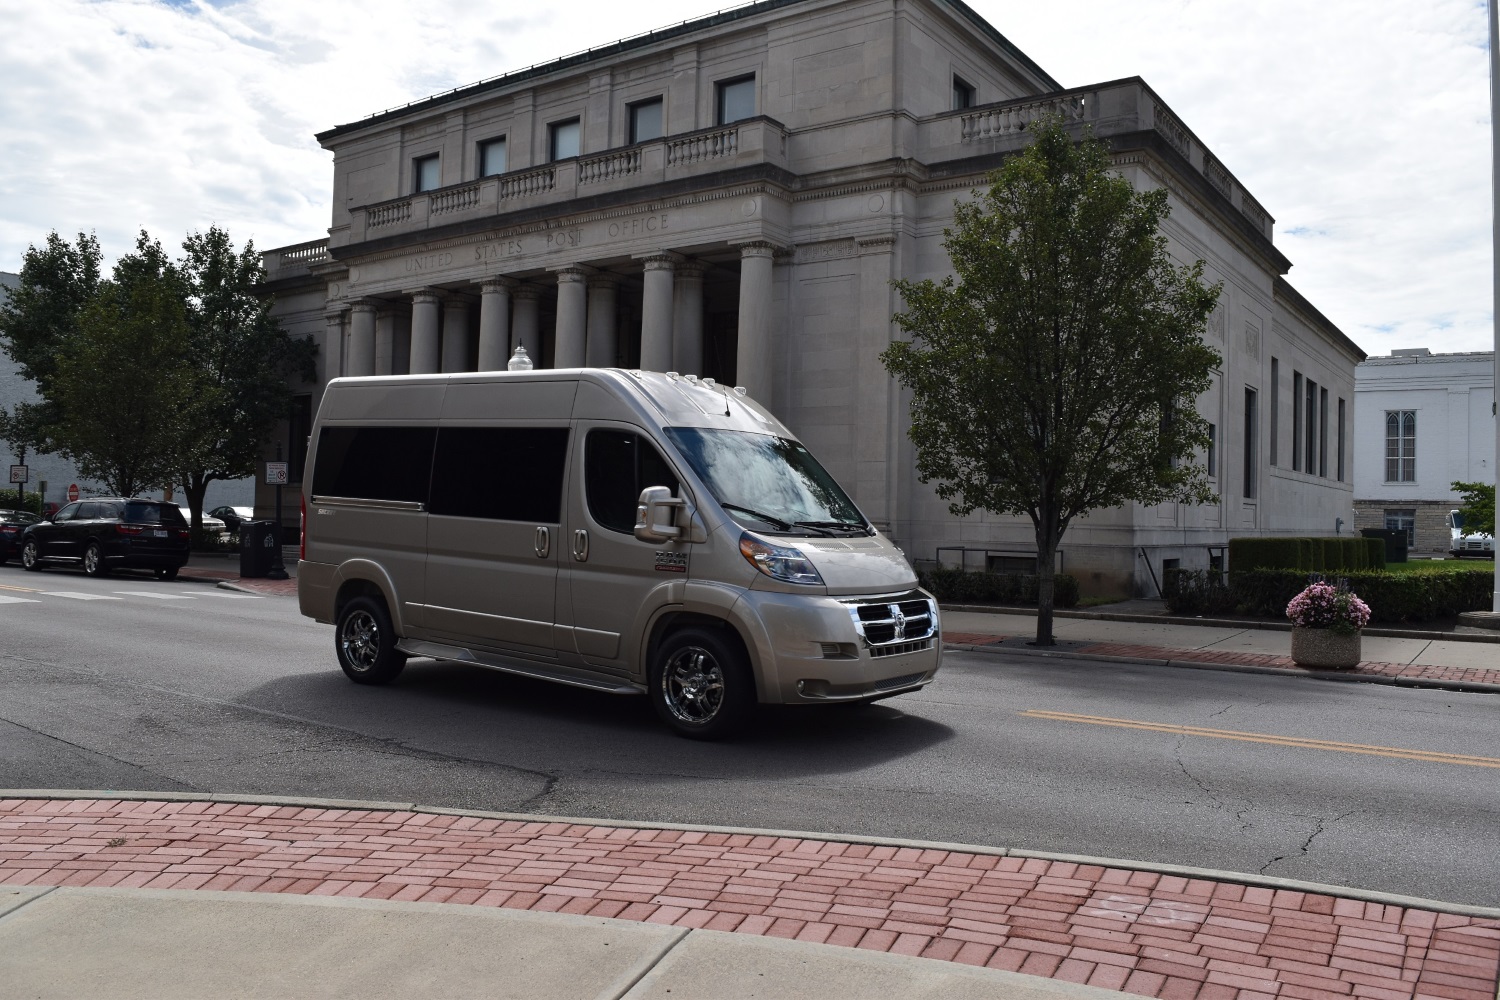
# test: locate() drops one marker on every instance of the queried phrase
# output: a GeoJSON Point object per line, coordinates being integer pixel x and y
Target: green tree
{"type": "Point", "coordinates": [242, 362]}
{"type": "Point", "coordinates": [1057, 375]}
{"type": "Point", "coordinates": [39, 318]}
{"type": "Point", "coordinates": [1478, 510]}
{"type": "Point", "coordinates": [125, 374]}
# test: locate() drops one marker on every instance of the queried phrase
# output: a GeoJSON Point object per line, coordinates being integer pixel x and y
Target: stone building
{"type": "Point", "coordinates": [1422, 421]}
{"type": "Point", "coordinates": [731, 198]}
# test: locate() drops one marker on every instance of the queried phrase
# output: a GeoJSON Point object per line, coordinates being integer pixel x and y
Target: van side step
{"type": "Point", "coordinates": [443, 651]}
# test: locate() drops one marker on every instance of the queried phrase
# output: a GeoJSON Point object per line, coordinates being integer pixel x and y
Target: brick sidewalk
{"type": "Point", "coordinates": [1369, 668]}
{"type": "Point", "coordinates": [1121, 929]}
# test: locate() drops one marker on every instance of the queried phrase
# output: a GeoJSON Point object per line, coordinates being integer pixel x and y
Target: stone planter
{"type": "Point", "coordinates": [1320, 647]}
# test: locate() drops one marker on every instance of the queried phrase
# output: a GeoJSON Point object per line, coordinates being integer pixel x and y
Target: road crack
{"type": "Point", "coordinates": [1319, 826]}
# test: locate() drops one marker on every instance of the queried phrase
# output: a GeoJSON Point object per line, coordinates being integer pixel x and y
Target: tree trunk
{"type": "Point", "coordinates": [194, 486]}
{"type": "Point", "coordinates": [1046, 576]}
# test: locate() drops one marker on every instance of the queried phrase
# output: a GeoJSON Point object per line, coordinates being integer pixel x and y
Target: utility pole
{"type": "Point", "coordinates": [1495, 247]}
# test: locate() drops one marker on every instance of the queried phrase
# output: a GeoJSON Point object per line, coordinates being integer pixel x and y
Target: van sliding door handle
{"type": "Point", "coordinates": [581, 545]}
{"type": "Point", "coordinates": [543, 542]}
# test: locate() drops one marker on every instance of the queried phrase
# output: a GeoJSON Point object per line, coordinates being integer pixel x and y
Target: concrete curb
{"type": "Point", "coordinates": [1239, 878]}
{"type": "Point", "coordinates": [1264, 626]}
{"type": "Point", "coordinates": [1473, 687]}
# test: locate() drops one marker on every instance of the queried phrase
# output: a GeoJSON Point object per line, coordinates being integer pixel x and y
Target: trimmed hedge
{"type": "Point", "coordinates": [1392, 597]}
{"type": "Point", "coordinates": [1311, 555]}
{"type": "Point", "coordinates": [11, 500]}
{"type": "Point", "coordinates": [998, 588]}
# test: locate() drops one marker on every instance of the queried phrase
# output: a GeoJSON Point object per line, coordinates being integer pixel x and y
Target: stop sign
{"type": "Point", "coordinates": [72, 493]}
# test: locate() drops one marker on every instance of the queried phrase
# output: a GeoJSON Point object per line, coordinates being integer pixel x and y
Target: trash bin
{"type": "Point", "coordinates": [1395, 542]}
{"type": "Point", "coordinates": [257, 548]}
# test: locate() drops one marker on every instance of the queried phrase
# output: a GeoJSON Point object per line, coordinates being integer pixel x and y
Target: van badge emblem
{"type": "Point", "coordinates": [899, 620]}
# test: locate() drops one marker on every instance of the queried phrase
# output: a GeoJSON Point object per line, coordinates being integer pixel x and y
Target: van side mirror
{"type": "Point", "coordinates": [656, 515]}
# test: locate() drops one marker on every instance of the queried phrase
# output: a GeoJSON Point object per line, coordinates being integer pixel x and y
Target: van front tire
{"type": "Point", "coordinates": [366, 643]}
{"type": "Point", "coordinates": [701, 685]}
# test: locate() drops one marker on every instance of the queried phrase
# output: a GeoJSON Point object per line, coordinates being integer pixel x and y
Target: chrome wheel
{"type": "Point", "coordinates": [30, 557]}
{"type": "Point", "coordinates": [693, 686]}
{"type": "Point", "coordinates": [93, 560]}
{"type": "Point", "coordinates": [359, 638]}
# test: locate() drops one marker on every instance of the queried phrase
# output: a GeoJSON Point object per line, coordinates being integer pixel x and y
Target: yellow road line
{"type": "Point", "coordinates": [1431, 756]}
{"type": "Point", "coordinates": [24, 590]}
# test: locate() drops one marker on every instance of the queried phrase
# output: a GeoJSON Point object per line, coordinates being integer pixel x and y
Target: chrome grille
{"type": "Point", "coordinates": [906, 619]}
{"type": "Point", "coordinates": [897, 648]}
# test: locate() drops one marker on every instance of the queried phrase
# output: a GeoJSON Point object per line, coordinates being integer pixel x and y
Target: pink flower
{"type": "Point", "coordinates": [1323, 605]}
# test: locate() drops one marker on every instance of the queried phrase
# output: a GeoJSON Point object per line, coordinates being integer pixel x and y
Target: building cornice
{"type": "Point", "coordinates": [1285, 293]}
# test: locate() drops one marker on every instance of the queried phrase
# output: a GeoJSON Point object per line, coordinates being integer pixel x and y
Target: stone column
{"type": "Point", "coordinates": [385, 341]}
{"type": "Point", "coordinates": [753, 353]}
{"type": "Point", "coordinates": [362, 339]}
{"type": "Point", "coordinates": [687, 319]}
{"type": "Point", "coordinates": [601, 342]}
{"type": "Point", "coordinates": [526, 324]}
{"type": "Point", "coordinates": [455, 334]}
{"type": "Point", "coordinates": [425, 329]}
{"type": "Point", "coordinates": [656, 313]}
{"type": "Point", "coordinates": [572, 318]}
{"type": "Point", "coordinates": [401, 344]}
{"type": "Point", "coordinates": [494, 323]}
{"type": "Point", "coordinates": [331, 357]}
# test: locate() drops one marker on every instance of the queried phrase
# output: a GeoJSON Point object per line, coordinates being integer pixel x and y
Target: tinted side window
{"type": "Point", "coordinates": [111, 511]}
{"type": "Point", "coordinates": [617, 465]}
{"type": "Point", "coordinates": [374, 463]}
{"type": "Point", "coordinates": [87, 511]}
{"type": "Point", "coordinates": [66, 514]}
{"type": "Point", "coordinates": [500, 473]}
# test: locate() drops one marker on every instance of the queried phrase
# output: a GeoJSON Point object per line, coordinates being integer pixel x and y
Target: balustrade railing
{"type": "Point", "coordinates": [609, 166]}
{"type": "Point", "coordinates": [531, 182]}
{"type": "Point", "coordinates": [454, 200]}
{"type": "Point", "coordinates": [303, 254]}
{"type": "Point", "coordinates": [389, 214]}
{"type": "Point", "coordinates": [1015, 117]}
{"type": "Point", "coordinates": [1217, 175]}
{"type": "Point", "coordinates": [1168, 125]}
{"type": "Point", "coordinates": [705, 146]}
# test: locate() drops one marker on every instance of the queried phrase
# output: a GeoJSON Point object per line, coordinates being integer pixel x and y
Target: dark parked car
{"type": "Point", "coordinates": [232, 517]}
{"type": "Point", "coordinates": [104, 533]}
{"type": "Point", "coordinates": [12, 524]}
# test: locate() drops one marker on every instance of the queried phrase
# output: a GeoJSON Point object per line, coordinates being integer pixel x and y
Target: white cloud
{"type": "Point", "coordinates": [1361, 125]}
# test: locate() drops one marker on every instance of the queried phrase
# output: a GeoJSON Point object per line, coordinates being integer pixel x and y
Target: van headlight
{"type": "Point", "coordinates": [779, 562]}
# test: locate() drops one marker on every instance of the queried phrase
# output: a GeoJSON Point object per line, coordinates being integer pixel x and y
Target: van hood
{"type": "Point", "coordinates": [868, 565]}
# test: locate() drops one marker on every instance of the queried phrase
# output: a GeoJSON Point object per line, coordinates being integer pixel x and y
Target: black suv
{"type": "Point", "coordinates": [108, 532]}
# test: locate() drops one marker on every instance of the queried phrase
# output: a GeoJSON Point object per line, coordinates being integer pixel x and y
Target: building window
{"type": "Point", "coordinates": [424, 173]}
{"type": "Point", "coordinates": [736, 99]}
{"type": "Point", "coordinates": [1400, 446]}
{"type": "Point", "coordinates": [1296, 421]}
{"type": "Point", "coordinates": [1323, 432]}
{"type": "Point", "coordinates": [1341, 440]}
{"type": "Point", "coordinates": [1403, 520]}
{"type": "Point", "coordinates": [1213, 447]}
{"type": "Point", "coordinates": [964, 95]}
{"type": "Point", "coordinates": [1250, 417]}
{"type": "Point", "coordinates": [492, 157]}
{"type": "Point", "coordinates": [645, 120]}
{"type": "Point", "coordinates": [563, 139]}
{"type": "Point", "coordinates": [1310, 408]}
{"type": "Point", "coordinates": [1275, 408]}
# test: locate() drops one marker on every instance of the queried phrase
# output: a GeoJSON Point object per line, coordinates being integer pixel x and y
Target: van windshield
{"type": "Point", "coordinates": [768, 482]}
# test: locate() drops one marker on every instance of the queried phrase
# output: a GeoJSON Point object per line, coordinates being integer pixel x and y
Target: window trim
{"type": "Point", "coordinates": [632, 107]}
{"type": "Point", "coordinates": [1252, 422]}
{"type": "Point", "coordinates": [964, 95]}
{"type": "Point", "coordinates": [721, 87]}
{"type": "Point", "coordinates": [481, 149]}
{"type": "Point", "coordinates": [552, 131]}
{"type": "Point", "coordinates": [1403, 454]}
{"type": "Point", "coordinates": [417, 163]}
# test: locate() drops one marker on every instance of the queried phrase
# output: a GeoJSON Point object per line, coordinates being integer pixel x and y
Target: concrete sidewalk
{"type": "Point", "coordinates": [157, 895]}
{"type": "Point", "coordinates": [1468, 663]}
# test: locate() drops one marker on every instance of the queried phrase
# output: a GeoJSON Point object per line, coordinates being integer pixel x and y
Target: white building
{"type": "Point", "coordinates": [1422, 422]}
{"type": "Point", "coordinates": [731, 197]}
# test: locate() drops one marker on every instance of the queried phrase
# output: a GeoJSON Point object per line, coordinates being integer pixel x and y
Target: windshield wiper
{"type": "Point", "coordinates": [774, 521]}
{"type": "Point", "coordinates": [863, 529]}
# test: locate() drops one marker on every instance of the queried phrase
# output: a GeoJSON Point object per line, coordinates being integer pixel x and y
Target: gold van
{"type": "Point", "coordinates": [621, 531]}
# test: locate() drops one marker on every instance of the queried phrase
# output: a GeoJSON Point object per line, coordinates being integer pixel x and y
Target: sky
{"type": "Point", "coordinates": [1362, 126]}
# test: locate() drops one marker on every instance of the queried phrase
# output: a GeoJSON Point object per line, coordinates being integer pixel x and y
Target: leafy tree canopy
{"type": "Point", "coordinates": [1478, 510]}
{"type": "Point", "coordinates": [1056, 373]}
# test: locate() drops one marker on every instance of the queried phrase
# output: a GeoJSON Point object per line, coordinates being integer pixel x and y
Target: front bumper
{"type": "Point", "coordinates": [813, 650]}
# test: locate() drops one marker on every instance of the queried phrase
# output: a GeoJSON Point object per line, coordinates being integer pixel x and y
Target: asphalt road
{"type": "Point", "coordinates": [183, 687]}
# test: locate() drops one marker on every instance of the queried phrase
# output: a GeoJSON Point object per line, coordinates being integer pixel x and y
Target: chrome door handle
{"type": "Point", "coordinates": [543, 542]}
{"type": "Point", "coordinates": [581, 545]}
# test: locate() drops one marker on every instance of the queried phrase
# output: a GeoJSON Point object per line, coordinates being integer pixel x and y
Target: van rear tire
{"type": "Point", "coordinates": [366, 642]}
{"type": "Point", "coordinates": [701, 684]}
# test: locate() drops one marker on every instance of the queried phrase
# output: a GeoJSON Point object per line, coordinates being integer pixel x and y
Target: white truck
{"type": "Point", "coordinates": [1461, 544]}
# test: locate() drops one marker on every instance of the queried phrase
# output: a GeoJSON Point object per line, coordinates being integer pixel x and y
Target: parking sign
{"type": "Point", "coordinates": [20, 474]}
{"type": "Point", "coordinates": [276, 473]}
